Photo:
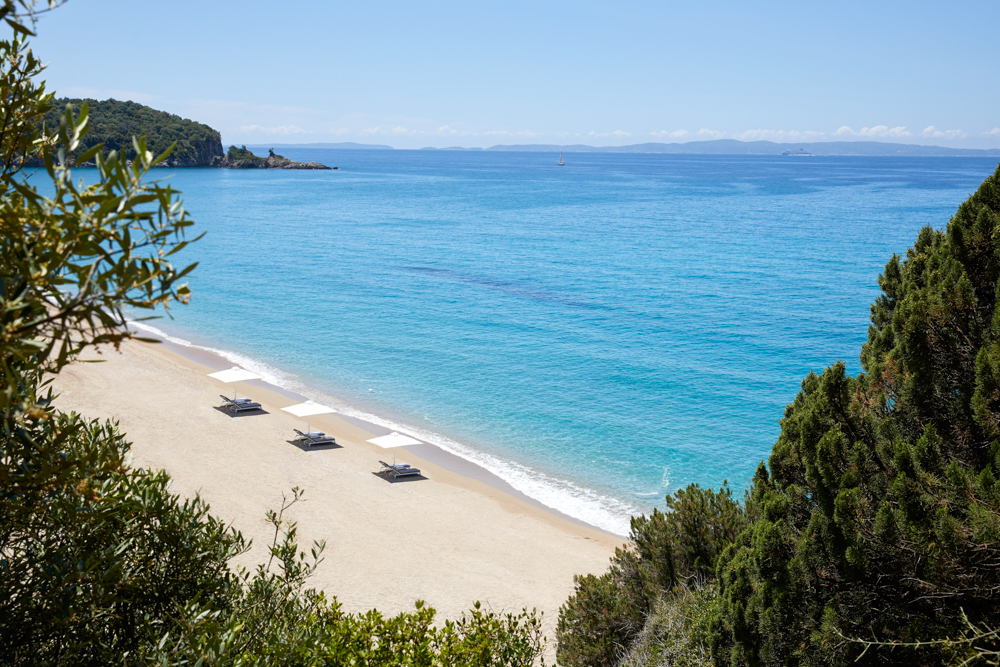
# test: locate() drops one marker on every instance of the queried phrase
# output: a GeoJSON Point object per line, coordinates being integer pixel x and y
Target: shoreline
{"type": "Point", "coordinates": [448, 537]}
{"type": "Point", "coordinates": [567, 498]}
{"type": "Point", "coordinates": [424, 453]}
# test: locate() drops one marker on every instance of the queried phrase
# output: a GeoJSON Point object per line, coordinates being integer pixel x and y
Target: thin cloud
{"type": "Point", "coordinates": [995, 132]}
{"type": "Point", "coordinates": [447, 131]}
{"type": "Point", "coordinates": [526, 134]}
{"type": "Point", "coordinates": [933, 133]}
{"type": "Point", "coordinates": [670, 134]}
{"type": "Point", "coordinates": [878, 131]}
{"type": "Point", "coordinates": [710, 134]}
{"type": "Point", "coordinates": [778, 135]}
{"type": "Point", "coordinates": [617, 133]}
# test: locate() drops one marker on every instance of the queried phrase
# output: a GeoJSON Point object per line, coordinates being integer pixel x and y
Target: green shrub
{"type": "Point", "coordinates": [606, 613]}
{"type": "Point", "coordinates": [97, 558]}
{"type": "Point", "coordinates": [243, 153]}
{"type": "Point", "coordinates": [678, 631]}
{"type": "Point", "coordinates": [879, 515]}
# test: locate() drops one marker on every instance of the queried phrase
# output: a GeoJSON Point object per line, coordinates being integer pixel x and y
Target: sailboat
{"type": "Point", "coordinates": [560, 163]}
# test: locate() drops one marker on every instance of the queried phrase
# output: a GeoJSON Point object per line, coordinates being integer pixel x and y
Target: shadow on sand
{"type": "Point", "coordinates": [399, 480]}
{"type": "Point", "coordinates": [248, 413]}
{"type": "Point", "coordinates": [314, 448]}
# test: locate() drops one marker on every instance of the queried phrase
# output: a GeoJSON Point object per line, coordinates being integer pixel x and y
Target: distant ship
{"type": "Point", "coordinates": [560, 163]}
{"type": "Point", "coordinates": [801, 151]}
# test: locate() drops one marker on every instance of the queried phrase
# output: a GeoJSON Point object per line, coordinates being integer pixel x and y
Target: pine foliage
{"type": "Point", "coordinates": [676, 549]}
{"type": "Point", "coordinates": [872, 535]}
{"type": "Point", "coordinates": [879, 513]}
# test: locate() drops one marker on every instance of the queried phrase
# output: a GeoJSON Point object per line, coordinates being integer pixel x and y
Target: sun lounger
{"type": "Point", "coordinates": [394, 470]}
{"type": "Point", "coordinates": [236, 405]}
{"type": "Point", "coordinates": [314, 438]}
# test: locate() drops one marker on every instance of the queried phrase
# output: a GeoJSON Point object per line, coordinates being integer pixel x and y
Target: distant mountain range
{"type": "Point", "coordinates": [114, 123]}
{"type": "Point", "coordinates": [715, 147]}
{"type": "Point", "coordinates": [734, 147]}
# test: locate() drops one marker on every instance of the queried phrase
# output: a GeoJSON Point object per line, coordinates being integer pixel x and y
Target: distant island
{"type": "Point", "coordinates": [114, 123]}
{"type": "Point", "coordinates": [734, 147]}
{"type": "Point", "coordinates": [713, 147]}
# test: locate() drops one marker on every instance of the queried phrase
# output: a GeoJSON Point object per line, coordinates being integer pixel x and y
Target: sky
{"type": "Point", "coordinates": [478, 74]}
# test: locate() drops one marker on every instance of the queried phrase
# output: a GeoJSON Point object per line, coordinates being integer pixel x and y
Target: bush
{"type": "Point", "coordinates": [879, 515]}
{"type": "Point", "coordinates": [599, 623]}
{"type": "Point", "coordinates": [678, 631]}
{"type": "Point", "coordinates": [243, 153]}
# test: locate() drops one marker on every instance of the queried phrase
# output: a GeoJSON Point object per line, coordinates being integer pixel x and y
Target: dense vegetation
{"type": "Point", "coordinates": [114, 124]}
{"type": "Point", "coordinates": [879, 516]}
{"type": "Point", "coordinates": [670, 556]}
{"type": "Point", "coordinates": [99, 563]}
{"type": "Point", "coordinates": [873, 533]}
{"type": "Point", "coordinates": [243, 153]}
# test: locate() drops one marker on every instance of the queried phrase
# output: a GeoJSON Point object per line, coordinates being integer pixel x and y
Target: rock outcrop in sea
{"type": "Point", "coordinates": [201, 156]}
{"type": "Point", "coordinates": [241, 158]}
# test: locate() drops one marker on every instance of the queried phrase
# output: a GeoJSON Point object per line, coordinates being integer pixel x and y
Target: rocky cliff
{"type": "Point", "coordinates": [204, 156]}
{"type": "Point", "coordinates": [114, 123]}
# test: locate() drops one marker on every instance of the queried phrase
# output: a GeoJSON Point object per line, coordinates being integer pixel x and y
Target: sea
{"type": "Point", "coordinates": [599, 334]}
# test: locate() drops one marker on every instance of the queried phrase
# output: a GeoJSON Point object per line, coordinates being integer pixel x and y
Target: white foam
{"type": "Point", "coordinates": [563, 495]}
{"type": "Point", "coordinates": [267, 373]}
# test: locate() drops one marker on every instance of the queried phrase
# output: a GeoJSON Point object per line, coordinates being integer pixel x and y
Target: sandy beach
{"type": "Point", "coordinates": [447, 538]}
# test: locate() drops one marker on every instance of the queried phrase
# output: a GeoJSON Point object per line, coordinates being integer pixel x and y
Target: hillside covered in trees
{"type": "Point", "coordinates": [114, 123]}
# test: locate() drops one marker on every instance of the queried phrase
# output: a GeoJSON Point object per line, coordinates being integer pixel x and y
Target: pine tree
{"type": "Point", "coordinates": [878, 515]}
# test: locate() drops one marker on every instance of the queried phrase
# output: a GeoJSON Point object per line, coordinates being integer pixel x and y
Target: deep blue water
{"type": "Point", "coordinates": [599, 334]}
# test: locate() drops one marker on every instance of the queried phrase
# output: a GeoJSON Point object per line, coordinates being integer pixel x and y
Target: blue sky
{"type": "Point", "coordinates": [480, 73]}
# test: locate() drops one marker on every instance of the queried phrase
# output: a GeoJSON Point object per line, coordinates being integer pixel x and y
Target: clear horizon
{"type": "Point", "coordinates": [319, 144]}
{"type": "Point", "coordinates": [448, 74]}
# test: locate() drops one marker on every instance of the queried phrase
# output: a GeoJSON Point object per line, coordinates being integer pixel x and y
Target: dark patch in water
{"type": "Point", "coordinates": [501, 286]}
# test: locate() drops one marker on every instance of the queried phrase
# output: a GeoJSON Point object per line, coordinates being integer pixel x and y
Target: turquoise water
{"type": "Point", "coordinates": [598, 334]}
